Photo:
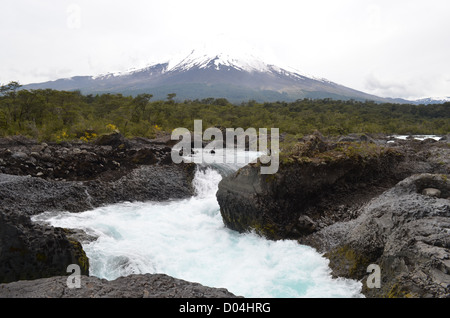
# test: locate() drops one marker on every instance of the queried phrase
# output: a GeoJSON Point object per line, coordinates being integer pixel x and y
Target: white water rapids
{"type": "Point", "coordinates": [187, 239]}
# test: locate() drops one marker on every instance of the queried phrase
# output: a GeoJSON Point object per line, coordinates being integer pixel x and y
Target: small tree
{"type": "Point", "coordinates": [170, 97]}
{"type": "Point", "coordinates": [10, 88]}
{"type": "Point", "coordinates": [140, 103]}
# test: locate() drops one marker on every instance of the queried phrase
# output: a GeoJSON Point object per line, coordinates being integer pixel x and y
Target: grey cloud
{"type": "Point", "coordinates": [388, 88]}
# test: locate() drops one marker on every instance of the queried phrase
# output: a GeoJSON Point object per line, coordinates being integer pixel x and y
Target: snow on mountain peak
{"type": "Point", "coordinates": [240, 59]}
{"type": "Point", "coordinates": [217, 59]}
{"type": "Point", "coordinates": [433, 100]}
{"type": "Point", "coordinates": [221, 55]}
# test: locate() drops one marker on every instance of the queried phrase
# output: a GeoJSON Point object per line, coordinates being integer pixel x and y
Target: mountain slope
{"type": "Point", "coordinates": [432, 100]}
{"type": "Point", "coordinates": [201, 75]}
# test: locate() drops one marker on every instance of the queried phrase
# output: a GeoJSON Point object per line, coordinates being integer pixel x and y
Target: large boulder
{"type": "Point", "coordinates": [405, 231]}
{"type": "Point", "coordinates": [30, 251]}
{"type": "Point", "coordinates": [316, 185]}
{"type": "Point", "coordinates": [114, 139]}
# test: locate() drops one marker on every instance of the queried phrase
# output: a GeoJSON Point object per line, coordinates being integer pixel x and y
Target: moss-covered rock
{"type": "Point", "coordinates": [347, 262]}
{"type": "Point", "coordinates": [30, 251]}
{"type": "Point", "coordinates": [80, 257]}
{"type": "Point", "coordinates": [311, 184]}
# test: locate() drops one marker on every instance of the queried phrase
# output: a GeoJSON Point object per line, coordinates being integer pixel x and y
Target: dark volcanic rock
{"type": "Point", "coordinates": [109, 157]}
{"type": "Point", "coordinates": [320, 186]}
{"type": "Point", "coordinates": [31, 196]}
{"type": "Point", "coordinates": [403, 231]}
{"type": "Point", "coordinates": [114, 139]}
{"type": "Point", "coordinates": [22, 195]}
{"type": "Point", "coordinates": [134, 286]}
{"type": "Point", "coordinates": [146, 183]}
{"type": "Point", "coordinates": [322, 182]}
{"type": "Point", "coordinates": [30, 251]}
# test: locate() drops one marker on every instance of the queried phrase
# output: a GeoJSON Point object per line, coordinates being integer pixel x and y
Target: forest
{"type": "Point", "coordinates": [51, 115]}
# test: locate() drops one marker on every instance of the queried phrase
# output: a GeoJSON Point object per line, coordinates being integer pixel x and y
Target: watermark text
{"type": "Point", "coordinates": [235, 140]}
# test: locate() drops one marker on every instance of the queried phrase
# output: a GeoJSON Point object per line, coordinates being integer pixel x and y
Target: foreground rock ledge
{"type": "Point", "coordinates": [403, 231]}
{"type": "Point", "coordinates": [134, 286]}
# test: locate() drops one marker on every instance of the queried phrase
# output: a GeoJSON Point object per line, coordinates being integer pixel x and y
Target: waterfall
{"type": "Point", "coordinates": [187, 239]}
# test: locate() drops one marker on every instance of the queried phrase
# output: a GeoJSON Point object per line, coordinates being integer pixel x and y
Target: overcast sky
{"type": "Point", "coordinates": [392, 48]}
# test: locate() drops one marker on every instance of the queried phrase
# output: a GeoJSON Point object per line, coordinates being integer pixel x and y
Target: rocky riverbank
{"type": "Point", "coordinates": [346, 198]}
{"type": "Point", "coordinates": [405, 231]}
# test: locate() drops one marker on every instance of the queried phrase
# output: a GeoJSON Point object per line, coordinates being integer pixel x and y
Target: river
{"type": "Point", "coordinates": [187, 239]}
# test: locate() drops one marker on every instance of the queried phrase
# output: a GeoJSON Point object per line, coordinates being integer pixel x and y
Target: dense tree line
{"type": "Point", "coordinates": [61, 115]}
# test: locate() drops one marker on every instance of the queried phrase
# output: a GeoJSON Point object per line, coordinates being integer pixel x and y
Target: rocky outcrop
{"type": "Point", "coordinates": [95, 174]}
{"type": "Point", "coordinates": [319, 185]}
{"type": "Point", "coordinates": [405, 231]}
{"type": "Point", "coordinates": [134, 286]}
{"type": "Point", "coordinates": [30, 251]}
{"type": "Point", "coordinates": [108, 158]}
{"type": "Point", "coordinates": [30, 195]}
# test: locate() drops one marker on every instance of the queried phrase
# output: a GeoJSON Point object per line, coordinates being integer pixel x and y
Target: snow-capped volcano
{"type": "Point", "coordinates": [199, 74]}
{"type": "Point", "coordinates": [201, 59]}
